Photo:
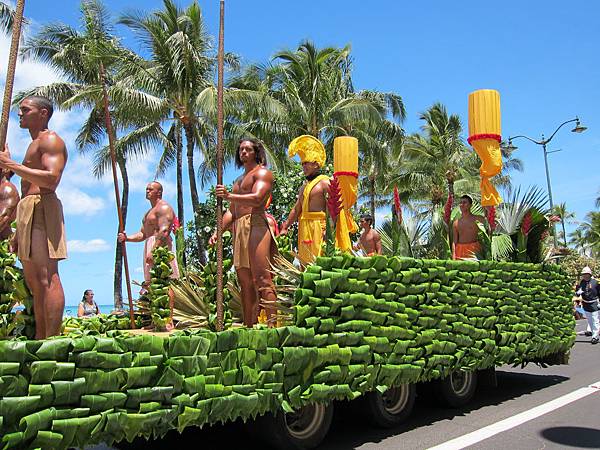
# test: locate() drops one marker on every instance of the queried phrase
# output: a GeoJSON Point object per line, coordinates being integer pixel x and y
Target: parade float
{"type": "Point", "coordinates": [361, 328]}
{"type": "Point", "coordinates": [367, 329]}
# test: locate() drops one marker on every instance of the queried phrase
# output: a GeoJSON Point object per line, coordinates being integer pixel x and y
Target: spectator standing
{"type": "Point", "coordinates": [589, 290]}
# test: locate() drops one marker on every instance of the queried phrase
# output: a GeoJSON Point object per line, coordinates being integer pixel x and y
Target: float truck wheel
{"type": "Point", "coordinates": [458, 388]}
{"type": "Point", "coordinates": [391, 408]}
{"type": "Point", "coordinates": [303, 429]}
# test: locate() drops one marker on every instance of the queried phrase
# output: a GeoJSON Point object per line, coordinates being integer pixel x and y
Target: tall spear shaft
{"type": "Point", "coordinates": [220, 166]}
{"type": "Point", "coordinates": [113, 160]}
{"type": "Point", "coordinates": [10, 72]}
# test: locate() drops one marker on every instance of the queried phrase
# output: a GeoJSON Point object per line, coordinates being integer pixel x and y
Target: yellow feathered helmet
{"type": "Point", "coordinates": [309, 148]}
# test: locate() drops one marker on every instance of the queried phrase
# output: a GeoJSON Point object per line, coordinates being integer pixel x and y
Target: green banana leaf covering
{"type": "Point", "coordinates": [360, 324]}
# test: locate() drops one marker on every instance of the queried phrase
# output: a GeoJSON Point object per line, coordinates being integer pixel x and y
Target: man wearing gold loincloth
{"type": "Point", "coordinates": [465, 231]}
{"type": "Point", "coordinates": [312, 198]}
{"type": "Point", "coordinates": [40, 239]}
{"type": "Point", "coordinates": [156, 232]}
{"type": "Point", "coordinates": [253, 241]}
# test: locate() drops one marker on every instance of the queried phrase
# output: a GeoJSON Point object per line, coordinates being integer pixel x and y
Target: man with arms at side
{"type": "Point", "coordinates": [310, 207]}
{"type": "Point", "coordinates": [40, 237]}
{"type": "Point", "coordinates": [465, 231]}
{"type": "Point", "coordinates": [253, 241]}
{"type": "Point", "coordinates": [370, 240]}
{"type": "Point", "coordinates": [589, 290]}
{"type": "Point", "coordinates": [156, 232]}
{"type": "Point", "coordinates": [9, 199]}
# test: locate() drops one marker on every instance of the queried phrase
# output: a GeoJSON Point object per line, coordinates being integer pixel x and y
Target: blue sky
{"type": "Point", "coordinates": [540, 55]}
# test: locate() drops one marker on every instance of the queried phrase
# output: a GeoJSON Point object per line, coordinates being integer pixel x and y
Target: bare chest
{"type": "Point", "coordinates": [244, 184]}
{"type": "Point", "coordinates": [33, 156]}
{"type": "Point", "coordinates": [150, 221]}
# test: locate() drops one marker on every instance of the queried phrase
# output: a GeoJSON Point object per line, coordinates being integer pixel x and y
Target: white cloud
{"type": "Point", "coordinates": [78, 203]}
{"type": "Point", "coordinates": [91, 246]}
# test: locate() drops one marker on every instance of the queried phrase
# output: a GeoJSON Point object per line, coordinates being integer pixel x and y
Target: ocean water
{"type": "Point", "coordinates": [71, 311]}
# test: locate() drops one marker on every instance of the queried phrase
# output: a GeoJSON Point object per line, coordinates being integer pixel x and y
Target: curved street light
{"type": "Point", "coordinates": [510, 147]}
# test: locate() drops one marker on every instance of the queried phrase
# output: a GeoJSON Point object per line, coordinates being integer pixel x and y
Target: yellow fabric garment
{"type": "Point", "coordinates": [345, 167]}
{"type": "Point", "coordinates": [484, 136]}
{"type": "Point", "coordinates": [489, 152]}
{"type": "Point", "coordinates": [311, 226]}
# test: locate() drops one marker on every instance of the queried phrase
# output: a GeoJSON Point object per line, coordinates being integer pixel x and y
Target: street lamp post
{"type": "Point", "coordinates": [544, 142]}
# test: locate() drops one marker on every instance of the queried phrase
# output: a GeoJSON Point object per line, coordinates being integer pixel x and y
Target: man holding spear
{"type": "Point", "coordinates": [253, 241]}
{"type": "Point", "coordinates": [40, 240]}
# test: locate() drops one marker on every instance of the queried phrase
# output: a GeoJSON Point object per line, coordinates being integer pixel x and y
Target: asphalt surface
{"type": "Point", "coordinates": [575, 425]}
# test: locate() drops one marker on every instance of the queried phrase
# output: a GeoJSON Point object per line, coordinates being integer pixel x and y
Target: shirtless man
{"type": "Point", "coordinates": [370, 241]}
{"type": "Point", "coordinates": [310, 207]}
{"type": "Point", "coordinates": [9, 198]}
{"type": "Point", "coordinates": [465, 230]}
{"type": "Point", "coordinates": [40, 239]}
{"type": "Point", "coordinates": [156, 229]}
{"type": "Point", "coordinates": [156, 232]}
{"type": "Point", "coordinates": [253, 241]}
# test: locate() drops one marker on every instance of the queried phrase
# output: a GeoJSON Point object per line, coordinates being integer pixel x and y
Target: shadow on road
{"type": "Point", "coordinates": [580, 437]}
{"type": "Point", "coordinates": [351, 431]}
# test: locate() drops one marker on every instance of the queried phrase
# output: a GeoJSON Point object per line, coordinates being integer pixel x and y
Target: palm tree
{"type": "Point", "coordinates": [178, 70]}
{"type": "Point", "coordinates": [179, 75]}
{"type": "Point", "coordinates": [77, 55]}
{"type": "Point", "coordinates": [432, 162]}
{"type": "Point", "coordinates": [590, 230]}
{"type": "Point", "coordinates": [380, 144]}
{"type": "Point", "coordinates": [578, 240]}
{"type": "Point", "coordinates": [561, 211]}
{"type": "Point", "coordinates": [7, 18]}
{"type": "Point", "coordinates": [314, 88]}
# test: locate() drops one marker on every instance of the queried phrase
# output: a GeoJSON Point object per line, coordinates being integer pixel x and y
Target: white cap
{"type": "Point", "coordinates": [587, 270]}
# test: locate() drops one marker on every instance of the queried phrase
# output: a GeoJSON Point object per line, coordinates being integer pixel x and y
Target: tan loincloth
{"type": "Point", "coordinates": [466, 251]}
{"type": "Point", "coordinates": [242, 229]}
{"type": "Point", "coordinates": [44, 212]}
{"type": "Point", "coordinates": [148, 247]}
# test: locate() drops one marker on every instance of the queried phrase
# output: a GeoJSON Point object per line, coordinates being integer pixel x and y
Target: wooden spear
{"type": "Point", "coordinates": [220, 167]}
{"type": "Point", "coordinates": [10, 72]}
{"type": "Point", "coordinates": [113, 160]}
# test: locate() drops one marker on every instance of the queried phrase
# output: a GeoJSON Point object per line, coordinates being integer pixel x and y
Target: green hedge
{"type": "Point", "coordinates": [360, 323]}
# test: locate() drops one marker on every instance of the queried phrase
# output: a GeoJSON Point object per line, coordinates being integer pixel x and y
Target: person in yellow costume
{"type": "Point", "coordinates": [309, 209]}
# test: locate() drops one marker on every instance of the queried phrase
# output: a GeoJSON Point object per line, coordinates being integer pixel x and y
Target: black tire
{"type": "Point", "coordinates": [303, 429]}
{"type": "Point", "coordinates": [391, 408]}
{"type": "Point", "coordinates": [458, 388]}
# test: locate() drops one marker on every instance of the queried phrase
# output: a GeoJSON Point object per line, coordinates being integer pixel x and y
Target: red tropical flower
{"type": "Point", "coordinates": [490, 213]}
{"type": "Point", "coordinates": [397, 204]}
{"type": "Point", "coordinates": [176, 225]}
{"type": "Point", "coordinates": [448, 209]}
{"type": "Point", "coordinates": [334, 200]}
{"type": "Point", "coordinates": [526, 224]}
{"type": "Point", "coordinates": [544, 235]}
{"type": "Point", "coordinates": [554, 218]}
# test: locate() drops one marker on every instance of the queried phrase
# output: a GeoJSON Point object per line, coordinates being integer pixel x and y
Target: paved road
{"type": "Point", "coordinates": [575, 425]}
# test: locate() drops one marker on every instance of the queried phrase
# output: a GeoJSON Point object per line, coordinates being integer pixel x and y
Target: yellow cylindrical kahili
{"type": "Point", "coordinates": [485, 136]}
{"type": "Point", "coordinates": [345, 168]}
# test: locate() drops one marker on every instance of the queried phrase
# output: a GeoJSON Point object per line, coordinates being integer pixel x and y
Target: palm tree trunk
{"type": "Point", "coordinates": [372, 196]}
{"type": "Point", "coordinates": [562, 222]}
{"type": "Point", "coordinates": [118, 277]}
{"type": "Point", "coordinates": [180, 209]}
{"type": "Point", "coordinates": [194, 191]}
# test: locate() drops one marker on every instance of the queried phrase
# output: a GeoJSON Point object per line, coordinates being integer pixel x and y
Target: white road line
{"type": "Point", "coordinates": [514, 421]}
